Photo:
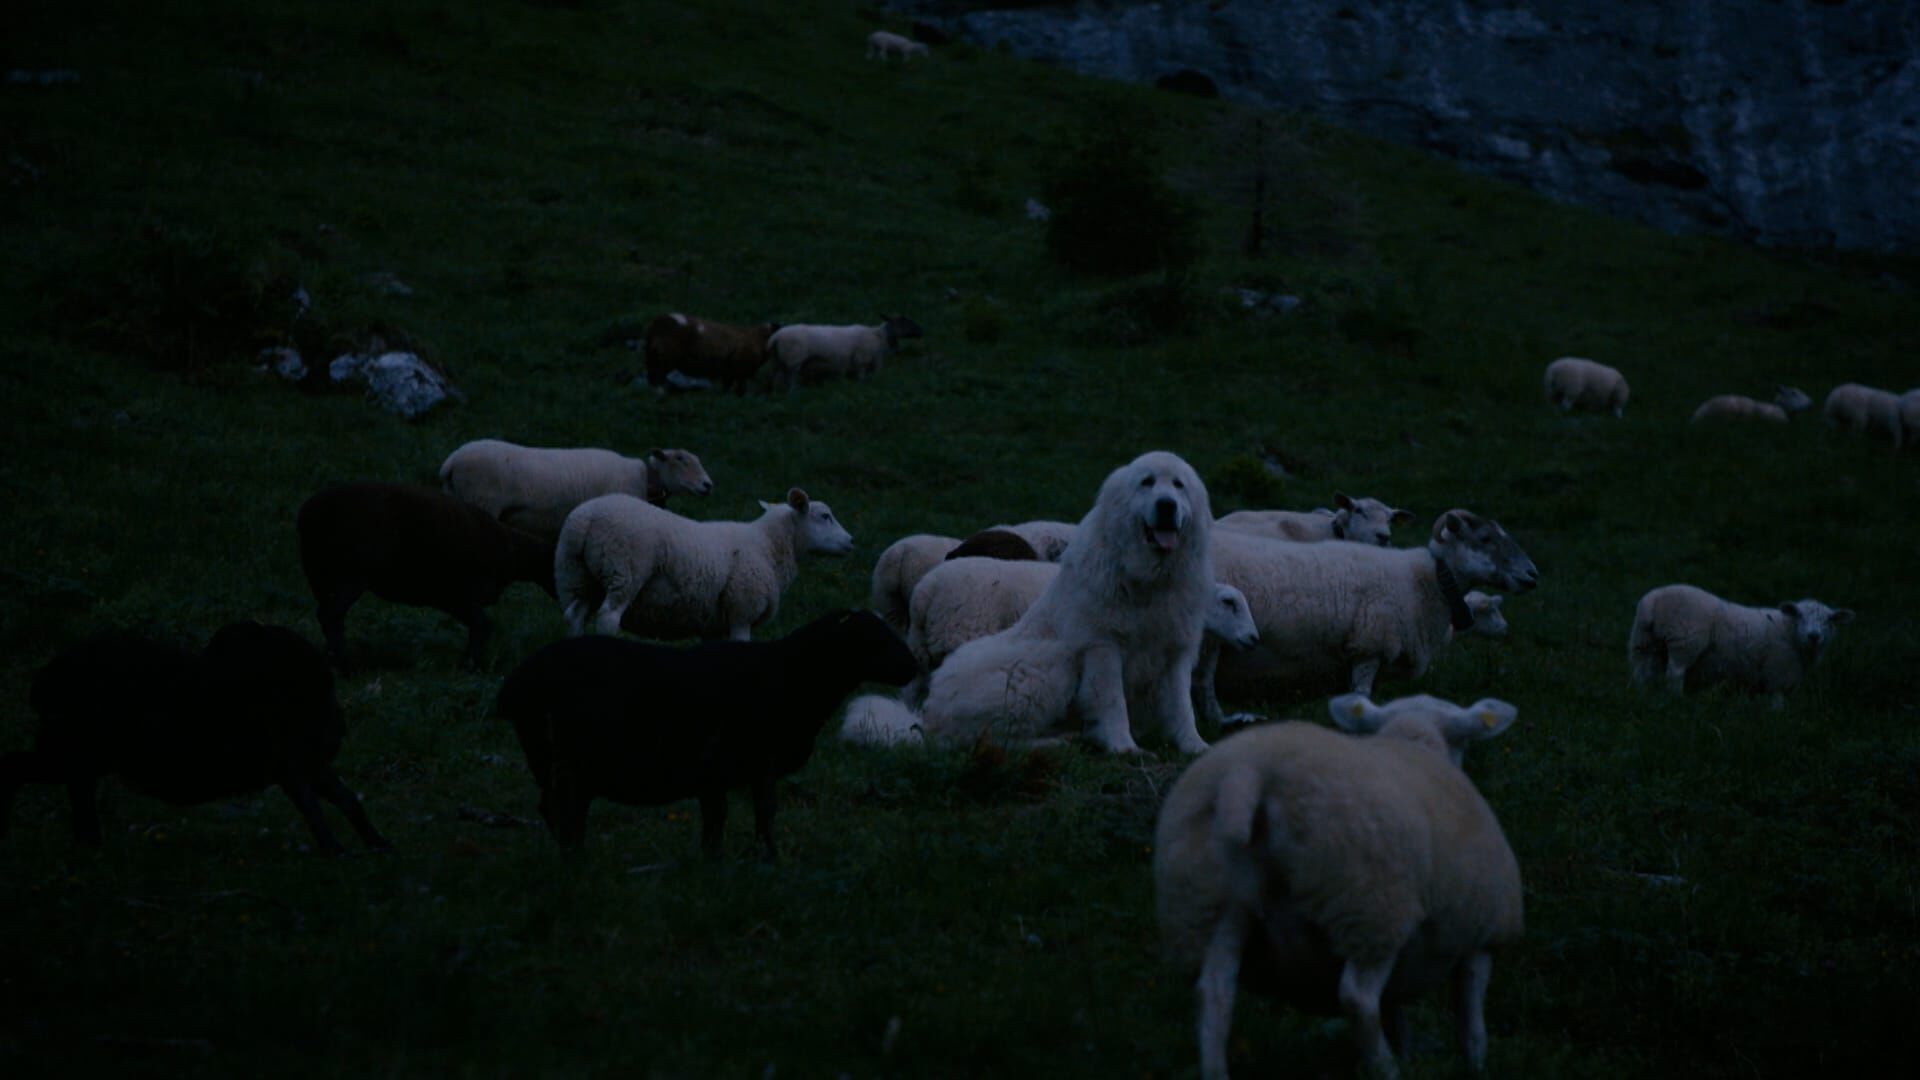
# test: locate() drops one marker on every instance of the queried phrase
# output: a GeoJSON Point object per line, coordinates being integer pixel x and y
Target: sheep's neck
{"type": "Point", "coordinates": [1458, 613]}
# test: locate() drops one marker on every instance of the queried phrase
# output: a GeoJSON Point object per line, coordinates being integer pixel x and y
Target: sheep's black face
{"type": "Point", "coordinates": [887, 658]}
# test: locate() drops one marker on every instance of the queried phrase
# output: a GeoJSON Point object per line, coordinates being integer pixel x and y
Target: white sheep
{"type": "Point", "coordinates": [1575, 383]}
{"type": "Point", "coordinates": [621, 562]}
{"type": "Point", "coordinates": [1694, 637]}
{"type": "Point", "coordinates": [1787, 400]}
{"type": "Point", "coordinates": [1362, 520]}
{"type": "Point", "coordinates": [534, 488]}
{"type": "Point", "coordinates": [1333, 617]}
{"type": "Point", "coordinates": [899, 568]}
{"type": "Point", "coordinates": [885, 43]}
{"type": "Point", "coordinates": [1853, 407]}
{"type": "Point", "coordinates": [854, 351]}
{"type": "Point", "coordinates": [1341, 874]}
{"type": "Point", "coordinates": [1485, 609]}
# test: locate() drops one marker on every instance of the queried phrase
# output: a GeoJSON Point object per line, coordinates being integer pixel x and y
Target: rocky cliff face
{"type": "Point", "coordinates": [1791, 122]}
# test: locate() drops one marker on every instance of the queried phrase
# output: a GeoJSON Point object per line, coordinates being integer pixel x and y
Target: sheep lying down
{"type": "Point", "coordinates": [1341, 873]}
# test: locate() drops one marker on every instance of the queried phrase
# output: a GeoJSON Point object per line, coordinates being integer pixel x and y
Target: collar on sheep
{"type": "Point", "coordinates": [1457, 610]}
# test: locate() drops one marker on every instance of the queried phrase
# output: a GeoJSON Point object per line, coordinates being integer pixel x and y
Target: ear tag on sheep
{"type": "Point", "coordinates": [1359, 710]}
{"type": "Point", "coordinates": [1488, 718]}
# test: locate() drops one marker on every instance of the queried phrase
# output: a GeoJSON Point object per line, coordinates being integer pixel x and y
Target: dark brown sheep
{"type": "Point", "coordinates": [412, 545]}
{"type": "Point", "coordinates": [255, 709]}
{"type": "Point", "coordinates": [995, 544]}
{"type": "Point", "coordinates": [725, 354]}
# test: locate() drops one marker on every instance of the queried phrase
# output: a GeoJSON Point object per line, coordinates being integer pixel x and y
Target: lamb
{"type": "Point", "coordinates": [412, 545]}
{"type": "Point", "coordinates": [1852, 407]}
{"type": "Point", "coordinates": [535, 488]}
{"type": "Point", "coordinates": [883, 43]}
{"type": "Point", "coordinates": [623, 563]}
{"type": "Point", "coordinates": [1333, 617]}
{"type": "Point", "coordinates": [1787, 400]}
{"type": "Point", "coordinates": [1340, 873]}
{"type": "Point", "coordinates": [700, 349]}
{"type": "Point", "coordinates": [854, 351]}
{"type": "Point", "coordinates": [909, 559]}
{"type": "Point", "coordinates": [1574, 383]}
{"type": "Point", "coordinates": [1363, 520]}
{"type": "Point", "coordinates": [649, 724]}
{"type": "Point", "coordinates": [256, 708]}
{"type": "Point", "coordinates": [1696, 638]}
{"type": "Point", "coordinates": [1485, 609]}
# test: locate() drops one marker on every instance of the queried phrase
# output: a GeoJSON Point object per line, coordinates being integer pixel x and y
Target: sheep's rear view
{"type": "Point", "coordinates": [645, 725]}
{"type": "Point", "coordinates": [255, 709]}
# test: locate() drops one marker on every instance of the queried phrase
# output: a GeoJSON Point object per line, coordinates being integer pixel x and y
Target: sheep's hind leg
{"type": "Point", "coordinates": [303, 798]}
{"type": "Point", "coordinates": [1360, 988]}
{"type": "Point", "coordinates": [337, 793]}
{"type": "Point", "coordinates": [1361, 679]}
{"type": "Point", "coordinates": [333, 619]}
{"type": "Point", "coordinates": [478, 630]}
{"type": "Point", "coordinates": [763, 807]}
{"type": "Point", "coordinates": [1469, 1001]}
{"type": "Point", "coordinates": [1214, 991]}
{"type": "Point", "coordinates": [713, 822]}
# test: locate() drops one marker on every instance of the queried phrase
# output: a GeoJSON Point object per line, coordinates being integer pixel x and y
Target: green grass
{"type": "Point", "coordinates": [541, 173]}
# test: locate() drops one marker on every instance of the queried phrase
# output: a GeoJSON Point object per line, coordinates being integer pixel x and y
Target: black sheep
{"type": "Point", "coordinates": [412, 545]}
{"type": "Point", "coordinates": [650, 724]}
{"type": "Point", "coordinates": [995, 544]}
{"type": "Point", "coordinates": [255, 709]}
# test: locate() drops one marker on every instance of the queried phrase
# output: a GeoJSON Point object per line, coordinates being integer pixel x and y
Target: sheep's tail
{"type": "Point", "coordinates": [877, 720]}
{"type": "Point", "coordinates": [1246, 827]}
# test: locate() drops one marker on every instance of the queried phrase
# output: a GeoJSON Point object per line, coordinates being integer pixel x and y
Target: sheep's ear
{"type": "Point", "coordinates": [1841, 615]}
{"type": "Point", "coordinates": [764, 504]}
{"type": "Point", "coordinates": [656, 454]}
{"type": "Point", "coordinates": [797, 499]}
{"type": "Point", "coordinates": [1400, 517]}
{"type": "Point", "coordinates": [1341, 500]}
{"type": "Point", "coordinates": [1449, 523]}
{"type": "Point", "coordinates": [1791, 611]}
{"type": "Point", "coordinates": [1356, 714]}
{"type": "Point", "coordinates": [1494, 602]}
{"type": "Point", "coordinates": [1484, 719]}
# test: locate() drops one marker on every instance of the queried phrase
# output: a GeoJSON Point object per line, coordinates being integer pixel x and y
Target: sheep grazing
{"type": "Point", "coordinates": [825, 351]}
{"type": "Point", "coordinates": [1333, 617]}
{"type": "Point", "coordinates": [1852, 407]}
{"type": "Point", "coordinates": [994, 544]}
{"type": "Point", "coordinates": [649, 724]}
{"type": "Point", "coordinates": [885, 43]}
{"type": "Point", "coordinates": [1340, 874]}
{"type": "Point", "coordinates": [535, 488]}
{"type": "Point", "coordinates": [1695, 638]}
{"type": "Point", "coordinates": [700, 349]}
{"type": "Point", "coordinates": [623, 563]}
{"type": "Point", "coordinates": [412, 545]}
{"type": "Point", "coordinates": [256, 708]}
{"type": "Point", "coordinates": [1363, 521]}
{"type": "Point", "coordinates": [1574, 383]}
{"type": "Point", "coordinates": [1787, 400]}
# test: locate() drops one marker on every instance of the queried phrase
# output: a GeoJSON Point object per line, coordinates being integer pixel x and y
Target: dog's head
{"type": "Point", "coordinates": [1154, 509]}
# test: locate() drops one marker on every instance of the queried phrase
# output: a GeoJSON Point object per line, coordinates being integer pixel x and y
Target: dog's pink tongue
{"type": "Point", "coordinates": [1167, 539]}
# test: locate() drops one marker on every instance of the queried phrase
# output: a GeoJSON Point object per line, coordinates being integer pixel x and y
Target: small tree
{"type": "Point", "coordinates": [1113, 212]}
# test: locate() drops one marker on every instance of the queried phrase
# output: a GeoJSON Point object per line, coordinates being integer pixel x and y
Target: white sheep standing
{"type": "Point", "coordinates": [1340, 874]}
{"type": "Point", "coordinates": [1576, 383]}
{"type": "Point", "coordinates": [1364, 520]}
{"type": "Point", "coordinates": [885, 43]}
{"type": "Point", "coordinates": [1691, 636]}
{"type": "Point", "coordinates": [534, 488]}
{"type": "Point", "coordinates": [854, 351]}
{"type": "Point", "coordinates": [1787, 400]}
{"type": "Point", "coordinates": [1333, 617]}
{"type": "Point", "coordinates": [622, 562]}
{"type": "Point", "coordinates": [1853, 407]}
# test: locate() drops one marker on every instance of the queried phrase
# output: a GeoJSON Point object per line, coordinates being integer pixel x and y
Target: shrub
{"type": "Point", "coordinates": [1113, 212]}
{"type": "Point", "coordinates": [1245, 482]}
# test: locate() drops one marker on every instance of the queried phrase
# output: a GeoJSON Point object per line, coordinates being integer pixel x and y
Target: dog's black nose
{"type": "Point", "coordinates": [1166, 513]}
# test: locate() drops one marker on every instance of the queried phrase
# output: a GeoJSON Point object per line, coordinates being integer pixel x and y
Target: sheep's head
{"type": "Point", "coordinates": [899, 328]}
{"type": "Point", "coordinates": [1230, 618]}
{"type": "Point", "coordinates": [1365, 520]}
{"type": "Point", "coordinates": [1814, 623]}
{"type": "Point", "coordinates": [675, 472]}
{"type": "Point", "coordinates": [1792, 399]}
{"type": "Point", "coordinates": [866, 638]}
{"type": "Point", "coordinates": [1479, 552]}
{"type": "Point", "coordinates": [1487, 619]}
{"type": "Point", "coordinates": [1438, 725]}
{"type": "Point", "coordinates": [819, 533]}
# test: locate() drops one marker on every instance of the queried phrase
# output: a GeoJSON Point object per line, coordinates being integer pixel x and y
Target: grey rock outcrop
{"type": "Point", "coordinates": [1789, 122]}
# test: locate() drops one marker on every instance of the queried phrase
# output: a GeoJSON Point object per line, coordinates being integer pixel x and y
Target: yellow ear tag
{"type": "Point", "coordinates": [1488, 718]}
{"type": "Point", "coordinates": [1359, 710]}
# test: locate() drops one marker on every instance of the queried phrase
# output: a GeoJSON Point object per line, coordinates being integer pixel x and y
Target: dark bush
{"type": "Point", "coordinates": [1136, 314]}
{"type": "Point", "coordinates": [1245, 483]}
{"type": "Point", "coordinates": [1113, 212]}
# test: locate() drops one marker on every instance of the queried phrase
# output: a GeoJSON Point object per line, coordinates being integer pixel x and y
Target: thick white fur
{"type": "Point", "coordinates": [619, 558]}
{"type": "Point", "coordinates": [1112, 638]}
{"type": "Point", "coordinates": [1364, 870]}
{"type": "Point", "coordinates": [1852, 407]}
{"type": "Point", "coordinates": [534, 488]}
{"type": "Point", "coordinates": [1575, 383]}
{"type": "Point", "coordinates": [1681, 632]}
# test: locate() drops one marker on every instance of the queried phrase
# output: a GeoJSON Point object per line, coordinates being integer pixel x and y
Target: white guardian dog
{"type": "Point", "coordinates": [1112, 639]}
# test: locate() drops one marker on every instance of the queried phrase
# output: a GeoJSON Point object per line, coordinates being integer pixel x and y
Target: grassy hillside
{"type": "Point", "coordinates": [544, 177]}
